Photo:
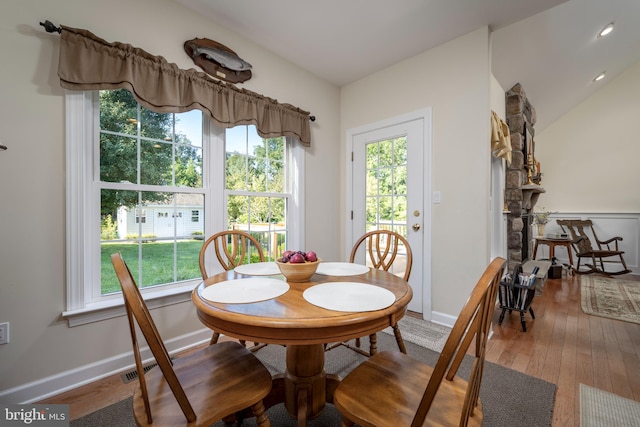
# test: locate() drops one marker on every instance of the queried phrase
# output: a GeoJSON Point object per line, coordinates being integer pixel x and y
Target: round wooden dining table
{"type": "Point", "coordinates": [304, 328]}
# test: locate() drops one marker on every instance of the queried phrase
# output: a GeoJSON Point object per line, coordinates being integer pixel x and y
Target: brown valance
{"type": "Point", "coordinates": [90, 63]}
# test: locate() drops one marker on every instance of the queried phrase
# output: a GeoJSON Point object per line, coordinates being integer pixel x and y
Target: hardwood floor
{"type": "Point", "coordinates": [567, 347]}
{"type": "Point", "coordinates": [562, 345]}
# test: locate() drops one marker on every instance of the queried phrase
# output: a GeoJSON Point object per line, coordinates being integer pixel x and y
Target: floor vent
{"type": "Point", "coordinates": [132, 375]}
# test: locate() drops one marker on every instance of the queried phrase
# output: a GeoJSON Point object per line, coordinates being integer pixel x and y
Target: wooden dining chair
{"type": "Point", "coordinates": [382, 248]}
{"type": "Point", "coordinates": [394, 389]}
{"type": "Point", "coordinates": [206, 386]}
{"type": "Point", "coordinates": [232, 248]}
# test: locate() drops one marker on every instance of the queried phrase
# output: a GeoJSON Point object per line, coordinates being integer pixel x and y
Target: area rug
{"type": "Point", "coordinates": [424, 333]}
{"type": "Point", "coordinates": [508, 397]}
{"type": "Point", "coordinates": [599, 408]}
{"type": "Point", "coordinates": [613, 298]}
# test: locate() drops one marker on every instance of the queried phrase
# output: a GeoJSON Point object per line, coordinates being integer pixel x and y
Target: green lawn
{"type": "Point", "coordinates": [157, 262]}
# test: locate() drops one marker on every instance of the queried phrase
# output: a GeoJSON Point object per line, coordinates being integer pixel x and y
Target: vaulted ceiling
{"type": "Point", "coordinates": [549, 46]}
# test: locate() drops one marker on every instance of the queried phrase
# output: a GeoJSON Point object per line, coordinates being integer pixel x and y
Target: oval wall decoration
{"type": "Point", "coordinates": [218, 60]}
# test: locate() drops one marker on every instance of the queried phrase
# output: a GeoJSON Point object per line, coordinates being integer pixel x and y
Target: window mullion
{"type": "Point", "coordinates": [85, 192]}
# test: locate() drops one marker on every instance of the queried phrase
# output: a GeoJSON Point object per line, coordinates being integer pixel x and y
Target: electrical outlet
{"type": "Point", "coordinates": [4, 333]}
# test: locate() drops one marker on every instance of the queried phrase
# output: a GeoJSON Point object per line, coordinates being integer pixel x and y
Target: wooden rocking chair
{"type": "Point", "coordinates": [584, 249]}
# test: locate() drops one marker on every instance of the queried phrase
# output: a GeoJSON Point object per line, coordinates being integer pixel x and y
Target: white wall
{"type": "Point", "coordinates": [32, 174]}
{"type": "Point", "coordinates": [589, 157]}
{"type": "Point", "coordinates": [589, 160]}
{"type": "Point", "coordinates": [498, 167]}
{"type": "Point", "coordinates": [497, 98]}
{"type": "Point", "coordinates": [453, 79]}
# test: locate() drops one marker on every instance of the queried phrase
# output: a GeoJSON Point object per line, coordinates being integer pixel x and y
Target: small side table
{"type": "Point", "coordinates": [552, 243]}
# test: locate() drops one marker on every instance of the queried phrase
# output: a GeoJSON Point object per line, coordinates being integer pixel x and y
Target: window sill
{"type": "Point", "coordinates": [103, 310]}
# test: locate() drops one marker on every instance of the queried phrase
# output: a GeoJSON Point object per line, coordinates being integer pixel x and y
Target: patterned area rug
{"type": "Point", "coordinates": [599, 408]}
{"type": "Point", "coordinates": [613, 298]}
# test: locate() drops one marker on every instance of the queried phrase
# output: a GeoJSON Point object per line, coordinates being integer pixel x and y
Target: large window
{"type": "Point", "coordinates": [150, 173]}
{"type": "Point", "coordinates": [149, 185]}
{"type": "Point", "coordinates": [257, 193]}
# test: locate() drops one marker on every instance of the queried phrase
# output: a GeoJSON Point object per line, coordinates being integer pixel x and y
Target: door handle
{"type": "Point", "coordinates": [416, 227]}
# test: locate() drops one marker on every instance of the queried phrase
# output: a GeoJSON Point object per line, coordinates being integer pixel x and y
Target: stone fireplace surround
{"type": "Point", "coordinates": [521, 195]}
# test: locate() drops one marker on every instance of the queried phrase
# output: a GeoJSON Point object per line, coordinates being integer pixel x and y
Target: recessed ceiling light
{"type": "Point", "coordinates": [599, 77]}
{"type": "Point", "coordinates": [606, 30]}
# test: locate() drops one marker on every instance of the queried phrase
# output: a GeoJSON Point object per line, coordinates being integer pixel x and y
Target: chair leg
{"type": "Point", "coordinates": [257, 346]}
{"type": "Point", "coordinates": [399, 340]}
{"type": "Point", "coordinates": [214, 338]}
{"type": "Point", "coordinates": [624, 264]}
{"type": "Point", "coordinates": [373, 344]}
{"type": "Point", "coordinates": [261, 416]}
{"type": "Point", "coordinates": [624, 270]}
{"type": "Point", "coordinates": [592, 267]}
{"type": "Point", "coordinates": [229, 420]}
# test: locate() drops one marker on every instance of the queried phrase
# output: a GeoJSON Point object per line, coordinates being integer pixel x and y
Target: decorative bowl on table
{"type": "Point", "coordinates": [298, 272]}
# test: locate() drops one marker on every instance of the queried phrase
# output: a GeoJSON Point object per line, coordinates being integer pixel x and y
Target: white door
{"type": "Point", "coordinates": [168, 223]}
{"type": "Point", "coordinates": [389, 178]}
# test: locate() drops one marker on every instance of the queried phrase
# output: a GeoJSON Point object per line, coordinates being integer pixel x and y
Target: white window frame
{"type": "Point", "coordinates": [83, 216]}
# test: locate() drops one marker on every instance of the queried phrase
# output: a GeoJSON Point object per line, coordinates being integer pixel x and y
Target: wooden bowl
{"type": "Point", "coordinates": [297, 272]}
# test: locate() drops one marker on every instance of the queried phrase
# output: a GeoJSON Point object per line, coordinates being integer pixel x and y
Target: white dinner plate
{"type": "Point", "coordinates": [349, 296]}
{"type": "Point", "coordinates": [248, 290]}
{"type": "Point", "coordinates": [341, 269]}
{"type": "Point", "coordinates": [258, 269]}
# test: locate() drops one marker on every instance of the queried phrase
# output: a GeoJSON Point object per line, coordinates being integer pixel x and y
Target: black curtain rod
{"type": "Point", "coordinates": [50, 27]}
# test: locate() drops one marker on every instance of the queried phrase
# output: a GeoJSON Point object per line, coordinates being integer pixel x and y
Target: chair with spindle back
{"type": "Point", "coordinates": [383, 251]}
{"type": "Point", "coordinates": [208, 385]}
{"type": "Point", "coordinates": [232, 248]}
{"type": "Point", "coordinates": [392, 388]}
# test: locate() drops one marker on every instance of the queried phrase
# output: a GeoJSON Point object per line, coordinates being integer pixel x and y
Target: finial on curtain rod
{"type": "Point", "coordinates": [50, 27]}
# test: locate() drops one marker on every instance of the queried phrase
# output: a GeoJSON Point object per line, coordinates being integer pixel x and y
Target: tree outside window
{"type": "Point", "coordinates": [150, 185]}
{"type": "Point", "coordinates": [146, 163]}
{"type": "Point", "coordinates": [141, 150]}
{"type": "Point", "coordinates": [256, 187]}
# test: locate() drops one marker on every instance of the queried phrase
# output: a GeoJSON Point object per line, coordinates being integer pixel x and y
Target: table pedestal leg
{"type": "Point", "coordinates": [305, 387]}
{"type": "Point", "coordinates": [305, 382]}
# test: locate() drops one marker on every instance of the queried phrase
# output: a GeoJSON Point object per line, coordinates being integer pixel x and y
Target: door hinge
{"type": "Point", "coordinates": [352, 215]}
{"type": "Point", "coordinates": [352, 156]}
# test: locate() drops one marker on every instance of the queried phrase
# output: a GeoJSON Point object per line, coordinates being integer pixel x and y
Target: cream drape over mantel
{"type": "Point", "coordinates": [89, 63]}
{"type": "Point", "coordinates": [500, 138]}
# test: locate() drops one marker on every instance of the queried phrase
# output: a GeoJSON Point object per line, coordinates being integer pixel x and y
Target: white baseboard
{"type": "Point", "coordinates": [448, 320]}
{"type": "Point", "coordinates": [50, 386]}
{"type": "Point", "coordinates": [443, 319]}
